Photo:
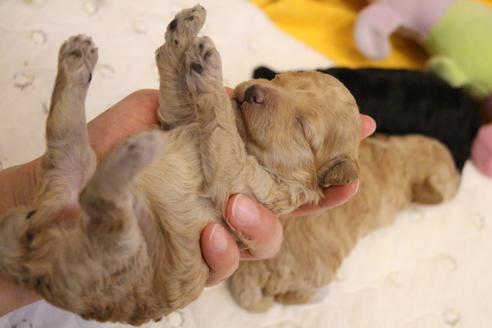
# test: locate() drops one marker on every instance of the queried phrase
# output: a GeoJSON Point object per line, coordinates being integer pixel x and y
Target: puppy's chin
{"type": "Point", "coordinates": [239, 105]}
{"type": "Point", "coordinates": [236, 108]}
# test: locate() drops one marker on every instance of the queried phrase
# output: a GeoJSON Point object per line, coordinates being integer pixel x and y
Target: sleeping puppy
{"type": "Point", "coordinates": [394, 172]}
{"type": "Point", "coordinates": [118, 240]}
{"type": "Point", "coordinates": [405, 101]}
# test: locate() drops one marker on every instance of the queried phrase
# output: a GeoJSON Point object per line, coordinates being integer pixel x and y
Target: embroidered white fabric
{"type": "Point", "coordinates": [431, 268]}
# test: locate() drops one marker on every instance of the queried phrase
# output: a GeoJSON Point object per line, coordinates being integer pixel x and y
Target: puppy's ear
{"type": "Point", "coordinates": [263, 72]}
{"type": "Point", "coordinates": [341, 170]}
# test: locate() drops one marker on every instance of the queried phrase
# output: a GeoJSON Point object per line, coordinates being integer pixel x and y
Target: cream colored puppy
{"type": "Point", "coordinates": [118, 240]}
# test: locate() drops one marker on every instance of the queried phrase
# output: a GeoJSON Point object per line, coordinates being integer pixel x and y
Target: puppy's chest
{"type": "Point", "coordinates": [173, 184]}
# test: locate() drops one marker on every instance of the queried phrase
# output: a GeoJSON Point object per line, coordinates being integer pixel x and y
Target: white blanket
{"type": "Point", "coordinates": [432, 268]}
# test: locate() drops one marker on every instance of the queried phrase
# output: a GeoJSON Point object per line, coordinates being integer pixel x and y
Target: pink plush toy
{"type": "Point", "coordinates": [482, 148]}
{"type": "Point", "coordinates": [458, 36]}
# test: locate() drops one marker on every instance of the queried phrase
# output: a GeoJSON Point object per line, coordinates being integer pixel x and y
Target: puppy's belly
{"type": "Point", "coordinates": [177, 210]}
{"type": "Point", "coordinates": [173, 184]}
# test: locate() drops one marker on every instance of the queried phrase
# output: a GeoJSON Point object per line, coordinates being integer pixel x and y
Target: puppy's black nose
{"type": "Point", "coordinates": [254, 94]}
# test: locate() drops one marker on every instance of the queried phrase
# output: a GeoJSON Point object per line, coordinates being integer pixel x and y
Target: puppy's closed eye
{"type": "Point", "coordinates": [30, 214]}
{"type": "Point", "coordinates": [302, 126]}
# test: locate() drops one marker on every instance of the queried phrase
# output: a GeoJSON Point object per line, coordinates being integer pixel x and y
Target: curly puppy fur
{"type": "Point", "coordinates": [404, 101]}
{"type": "Point", "coordinates": [118, 240]}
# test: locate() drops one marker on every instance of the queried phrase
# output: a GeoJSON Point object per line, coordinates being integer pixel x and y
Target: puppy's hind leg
{"type": "Point", "coordinates": [107, 198]}
{"type": "Point", "coordinates": [69, 160]}
{"type": "Point", "coordinates": [94, 262]}
{"type": "Point", "coordinates": [116, 241]}
{"type": "Point", "coordinates": [175, 106]}
{"type": "Point", "coordinates": [435, 177]}
{"type": "Point", "coordinates": [66, 166]}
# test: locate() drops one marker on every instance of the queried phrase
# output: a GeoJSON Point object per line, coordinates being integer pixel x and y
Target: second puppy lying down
{"type": "Point", "coordinates": [119, 240]}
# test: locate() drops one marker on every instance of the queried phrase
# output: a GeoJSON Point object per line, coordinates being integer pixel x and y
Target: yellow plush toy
{"type": "Point", "coordinates": [327, 25]}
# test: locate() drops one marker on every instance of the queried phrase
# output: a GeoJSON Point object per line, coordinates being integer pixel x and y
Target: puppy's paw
{"type": "Point", "coordinates": [251, 299]}
{"type": "Point", "coordinates": [139, 151]}
{"type": "Point", "coordinates": [77, 58]}
{"type": "Point", "coordinates": [203, 67]}
{"type": "Point", "coordinates": [122, 165]}
{"type": "Point", "coordinates": [185, 26]}
{"type": "Point", "coordinates": [248, 286]}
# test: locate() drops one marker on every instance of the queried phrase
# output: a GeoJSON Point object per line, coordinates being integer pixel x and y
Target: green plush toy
{"type": "Point", "coordinates": [461, 43]}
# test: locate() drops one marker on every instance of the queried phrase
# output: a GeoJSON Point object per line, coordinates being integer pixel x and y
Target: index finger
{"type": "Point", "coordinates": [332, 197]}
{"type": "Point", "coordinates": [257, 227]}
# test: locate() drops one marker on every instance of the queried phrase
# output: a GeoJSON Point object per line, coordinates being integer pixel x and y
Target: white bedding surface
{"type": "Point", "coordinates": [432, 268]}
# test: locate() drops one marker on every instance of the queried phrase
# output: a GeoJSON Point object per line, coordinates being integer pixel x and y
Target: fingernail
{"type": "Point", "coordinates": [371, 123]}
{"type": "Point", "coordinates": [245, 212]}
{"type": "Point", "coordinates": [218, 238]}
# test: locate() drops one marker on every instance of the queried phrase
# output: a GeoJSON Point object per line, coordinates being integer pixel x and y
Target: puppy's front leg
{"type": "Point", "coordinates": [226, 165]}
{"type": "Point", "coordinates": [175, 106]}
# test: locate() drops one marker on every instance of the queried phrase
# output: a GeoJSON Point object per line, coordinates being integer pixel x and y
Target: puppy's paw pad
{"type": "Point", "coordinates": [203, 66]}
{"type": "Point", "coordinates": [78, 56]}
{"type": "Point", "coordinates": [185, 26]}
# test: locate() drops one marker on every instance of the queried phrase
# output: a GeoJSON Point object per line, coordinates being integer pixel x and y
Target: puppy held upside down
{"type": "Point", "coordinates": [118, 240]}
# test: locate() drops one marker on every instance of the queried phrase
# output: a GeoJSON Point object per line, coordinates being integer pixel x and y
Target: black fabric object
{"type": "Point", "coordinates": [409, 102]}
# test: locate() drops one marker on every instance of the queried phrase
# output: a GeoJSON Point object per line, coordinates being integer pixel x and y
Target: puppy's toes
{"type": "Point", "coordinates": [203, 67]}
{"type": "Point", "coordinates": [250, 297]}
{"type": "Point", "coordinates": [77, 58]}
{"type": "Point", "coordinates": [184, 27]}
